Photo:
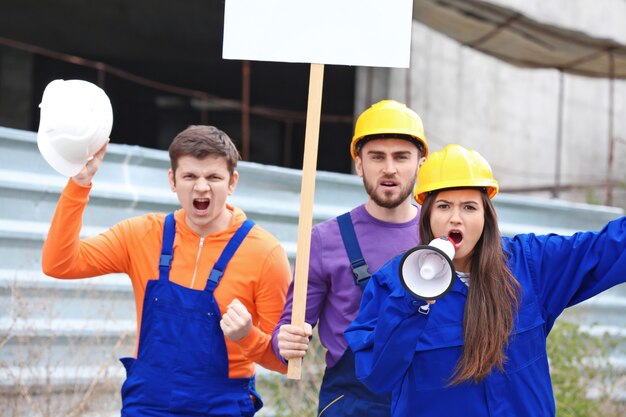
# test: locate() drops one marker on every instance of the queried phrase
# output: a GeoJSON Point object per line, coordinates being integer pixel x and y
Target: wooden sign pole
{"type": "Point", "coordinates": [307, 194]}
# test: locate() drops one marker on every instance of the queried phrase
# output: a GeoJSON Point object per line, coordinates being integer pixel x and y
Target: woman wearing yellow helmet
{"type": "Point", "coordinates": [481, 349]}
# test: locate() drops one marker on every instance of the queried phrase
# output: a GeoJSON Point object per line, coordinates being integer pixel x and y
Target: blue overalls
{"type": "Point", "coordinates": [182, 363]}
{"type": "Point", "coordinates": [341, 393]}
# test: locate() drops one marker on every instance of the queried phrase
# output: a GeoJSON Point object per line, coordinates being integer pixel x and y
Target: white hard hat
{"type": "Point", "coordinates": [76, 120]}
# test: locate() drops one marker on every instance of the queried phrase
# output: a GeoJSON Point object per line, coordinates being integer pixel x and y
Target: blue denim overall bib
{"type": "Point", "coordinates": [182, 363]}
{"type": "Point", "coordinates": [341, 393]}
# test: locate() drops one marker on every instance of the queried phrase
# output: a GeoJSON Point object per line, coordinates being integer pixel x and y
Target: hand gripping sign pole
{"type": "Point", "coordinates": [307, 193]}
{"type": "Point", "coordinates": [349, 32]}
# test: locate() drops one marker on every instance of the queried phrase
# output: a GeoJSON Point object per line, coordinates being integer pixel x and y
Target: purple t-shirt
{"type": "Point", "coordinates": [333, 298]}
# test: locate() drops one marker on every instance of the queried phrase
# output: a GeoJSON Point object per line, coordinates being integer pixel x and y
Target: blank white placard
{"type": "Point", "coordinates": [375, 33]}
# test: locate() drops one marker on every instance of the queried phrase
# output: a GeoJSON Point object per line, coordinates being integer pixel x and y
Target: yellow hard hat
{"type": "Point", "coordinates": [388, 117]}
{"type": "Point", "coordinates": [452, 167]}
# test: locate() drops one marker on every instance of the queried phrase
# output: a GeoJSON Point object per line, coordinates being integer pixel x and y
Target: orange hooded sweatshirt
{"type": "Point", "coordinates": [258, 274]}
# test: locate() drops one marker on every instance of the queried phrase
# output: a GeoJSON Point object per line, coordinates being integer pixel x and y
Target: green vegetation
{"type": "Point", "coordinates": [583, 378]}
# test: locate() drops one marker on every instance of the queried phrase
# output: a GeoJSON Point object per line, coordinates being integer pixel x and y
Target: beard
{"type": "Point", "coordinates": [387, 199]}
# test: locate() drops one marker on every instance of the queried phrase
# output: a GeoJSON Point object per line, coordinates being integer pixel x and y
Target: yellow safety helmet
{"type": "Point", "coordinates": [388, 117]}
{"type": "Point", "coordinates": [452, 167]}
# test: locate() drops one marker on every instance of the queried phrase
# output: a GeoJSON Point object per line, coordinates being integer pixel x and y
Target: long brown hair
{"type": "Point", "coordinates": [492, 302]}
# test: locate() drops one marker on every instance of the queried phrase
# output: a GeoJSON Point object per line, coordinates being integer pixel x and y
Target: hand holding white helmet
{"type": "Point", "coordinates": [76, 121]}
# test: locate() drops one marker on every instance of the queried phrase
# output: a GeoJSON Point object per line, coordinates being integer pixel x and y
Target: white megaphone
{"type": "Point", "coordinates": [426, 271]}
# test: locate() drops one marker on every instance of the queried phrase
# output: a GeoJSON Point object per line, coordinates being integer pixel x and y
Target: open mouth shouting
{"type": "Point", "coordinates": [201, 204]}
{"type": "Point", "coordinates": [456, 236]}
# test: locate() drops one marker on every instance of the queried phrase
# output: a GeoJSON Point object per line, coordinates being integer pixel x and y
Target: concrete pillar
{"type": "Point", "coordinates": [372, 85]}
{"type": "Point", "coordinates": [16, 75]}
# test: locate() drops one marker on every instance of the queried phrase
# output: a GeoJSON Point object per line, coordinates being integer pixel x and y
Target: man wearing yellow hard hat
{"type": "Point", "coordinates": [388, 147]}
{"type": "Point", "coordinates": [480, 350]}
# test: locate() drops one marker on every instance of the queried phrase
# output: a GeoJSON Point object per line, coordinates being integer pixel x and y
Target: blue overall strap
{"type": "Point", "coordinates": [227, 254]}
{"type": "Point", "coordinates": [357, 262]}
{"type": "Point", "coordinates": [169, 233]}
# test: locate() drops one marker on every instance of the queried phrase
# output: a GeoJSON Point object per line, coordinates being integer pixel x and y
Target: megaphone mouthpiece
{"type": "Point", "coordinates": [445, 244]}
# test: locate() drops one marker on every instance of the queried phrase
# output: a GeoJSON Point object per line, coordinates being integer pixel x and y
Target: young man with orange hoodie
{"type": "Point", "coordinates": [209, 285]}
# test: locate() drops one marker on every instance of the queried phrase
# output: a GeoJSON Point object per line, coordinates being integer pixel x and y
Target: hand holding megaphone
{"type": "Point", "coordinates": [427, 271]}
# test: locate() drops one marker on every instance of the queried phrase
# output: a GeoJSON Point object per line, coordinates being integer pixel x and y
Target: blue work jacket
{"type": "Point", "coordinates": [413, 355]}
